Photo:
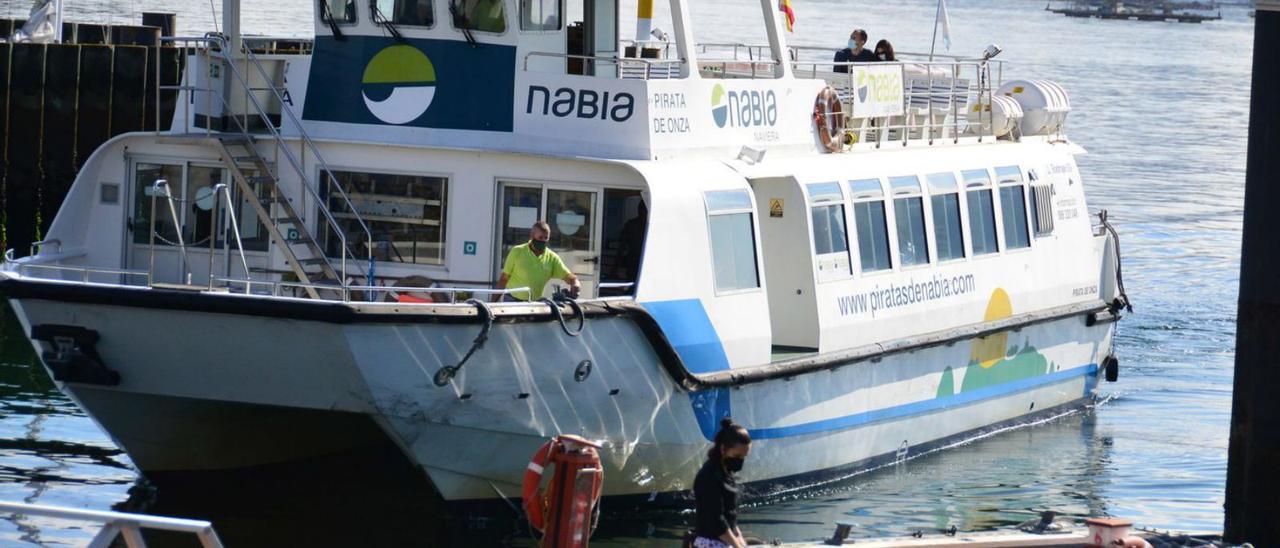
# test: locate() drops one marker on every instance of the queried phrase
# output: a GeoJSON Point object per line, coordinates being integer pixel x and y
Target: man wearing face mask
{"type": "Point", "coordinates": [856, 52]}
{"type": "Point", "coordinates": [532, 265]}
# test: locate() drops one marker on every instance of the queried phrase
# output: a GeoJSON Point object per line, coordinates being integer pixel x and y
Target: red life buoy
{"type": "Point", "coordinates": [828, 119]}
{"type": "Point", "coordinates": [531, 490]}
{"type": "Point", "coordinates": [567, 510]}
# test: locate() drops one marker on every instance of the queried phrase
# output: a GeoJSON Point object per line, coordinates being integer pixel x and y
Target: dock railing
{"type": "Point", "coordinates": [116, 525]}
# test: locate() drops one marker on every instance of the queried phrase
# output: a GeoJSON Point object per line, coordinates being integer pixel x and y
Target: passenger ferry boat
{"type": "Point", "coordinates": [857, 262]}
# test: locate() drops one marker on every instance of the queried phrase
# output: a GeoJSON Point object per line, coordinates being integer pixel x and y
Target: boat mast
{"type": "Point", "coordinates": [231, 25]}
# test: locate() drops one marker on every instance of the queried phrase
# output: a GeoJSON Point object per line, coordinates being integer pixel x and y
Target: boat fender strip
{"type": "Point", "coordinates": [448, 372]}
{"type": "Point", "coordinates": [73, 357]}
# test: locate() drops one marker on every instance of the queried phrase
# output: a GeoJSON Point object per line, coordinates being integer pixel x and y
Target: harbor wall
{"type": "Point", "coordinates": [59, 102]}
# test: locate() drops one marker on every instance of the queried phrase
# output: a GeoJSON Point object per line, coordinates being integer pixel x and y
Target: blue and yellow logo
{"type": "Point", "coordinates": [719, 108]}
{"type": "Point", "coordinates": [398, 85]}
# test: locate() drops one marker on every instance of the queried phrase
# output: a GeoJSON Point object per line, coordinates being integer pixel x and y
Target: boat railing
{"type": "Point", "coordinates": [941, 100]}
{"type": "Point", "coordinates": [28, 267]}
{"type": "Point", "coordinates": [213, 45]}
{"type": "Point", "coordinates": [628, 68]}
{"type": "Point", "coordinates": [162, 186]}
{"type": "Point", "coordinates": [116, 525]}
{"type": "Point", "coordinates": [82, 274]}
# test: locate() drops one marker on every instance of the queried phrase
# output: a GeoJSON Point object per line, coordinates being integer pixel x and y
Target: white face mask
{"type": "Point", "coordinates": [853, 44]}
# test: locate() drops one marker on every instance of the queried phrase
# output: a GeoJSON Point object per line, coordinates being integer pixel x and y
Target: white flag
{"type": "Point", "coordinates": [944, 20]}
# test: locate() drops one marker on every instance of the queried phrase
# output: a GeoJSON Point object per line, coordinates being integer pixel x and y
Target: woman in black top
{"type": "Point", "coordinates": [715, 489]}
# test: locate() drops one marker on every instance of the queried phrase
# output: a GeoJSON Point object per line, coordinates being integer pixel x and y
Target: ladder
{"type": "Point", "coordinates": [256, 178]}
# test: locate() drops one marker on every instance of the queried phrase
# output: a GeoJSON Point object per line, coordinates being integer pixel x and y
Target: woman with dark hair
{"type": "Point", "coordinates": [884, 50]}
{"type": "Point", "coordinates": [715, 489]}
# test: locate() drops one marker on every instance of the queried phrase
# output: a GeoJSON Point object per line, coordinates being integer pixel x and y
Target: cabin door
{"type": "Point", "coordinates": [574, 216]}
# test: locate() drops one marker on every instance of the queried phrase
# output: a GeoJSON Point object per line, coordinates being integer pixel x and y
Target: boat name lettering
{"type": "Point", "coordinates": [582, 103]}
{"type": "Point", "coordinates": [746, 108]}
{"type": "Point", "coordinates": [667, 100]}
{"type": "Point", "coordinates": [912, 292]}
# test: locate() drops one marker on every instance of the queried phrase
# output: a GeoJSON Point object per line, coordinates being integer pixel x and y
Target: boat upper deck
{"type": "Point", "coordinates": [579, 90]}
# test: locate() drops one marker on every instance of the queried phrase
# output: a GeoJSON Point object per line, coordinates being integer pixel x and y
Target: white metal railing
{"type": "Point", "coordinates": [118, 524]}
{"type": "Point", "coordinates": [628, 68]}
{"type": "Point", "coordinates": [942, 100]}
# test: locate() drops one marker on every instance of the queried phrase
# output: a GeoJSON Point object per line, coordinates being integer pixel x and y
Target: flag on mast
{"type": "Point", "coordinates": [785, 7]}
{"type": "Point", "coordinates": [944, 21]}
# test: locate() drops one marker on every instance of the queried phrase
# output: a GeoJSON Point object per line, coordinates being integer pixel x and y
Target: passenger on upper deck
{"type": "Point", "coordinates": [532, 265]}
{"type": "Point", "coordinates": [856, 52]}
{"type": "Point", "coordinates": [884, 50]}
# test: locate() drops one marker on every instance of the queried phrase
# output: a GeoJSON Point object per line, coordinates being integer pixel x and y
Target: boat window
{"type": "Point", "coordinates": [865, 188]}
{"type": "Point", "coordinates": [1009, 175]}
{"type": "Point", "coordinates": [909, 184]}
{"type": "Point", "coordinates": [871, 224]}
{"type": "Point", "coordinates": [539, 14]}
{"type": "Point", "coordinates": [1042, 204]}
{"type": "Point", "coordinates": [733, 240]}
{"type": "Point", "coordinates": [414, 13]}
{"type": "Point", "coordinates": [727, 200]}
{"type": "Point", "coordinates": [1013, 214]}
{"type": "Point", "coordinates": [982, 221]}
{"type": "Point", "coordinates": [338, 11]}
{"type": "Point", "coordinates": [975, 177]}
{"type": "Point", "coordinates": [192, 200]}
{"type": "Point", "coordinates": [948, 233]}
{"type": "Point", "coordinates": [404, 213]}
{"type": "Point", "coordinates": [830, 243]}
{"type": "Point", "coordinates": [145, 176]}
{"type": "Point", "coordinates": [481, 15]}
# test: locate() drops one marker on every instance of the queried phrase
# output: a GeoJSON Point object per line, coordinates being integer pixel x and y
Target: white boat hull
{"type": "Point", "coordinates": [474, 436]}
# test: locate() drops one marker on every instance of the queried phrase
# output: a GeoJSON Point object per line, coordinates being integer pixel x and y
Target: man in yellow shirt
{"type": "Point", "coordinates": [532, 265]}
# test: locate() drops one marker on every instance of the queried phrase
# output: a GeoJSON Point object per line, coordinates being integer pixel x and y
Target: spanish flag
{"type": "Point", "coordinates": [785, 7]}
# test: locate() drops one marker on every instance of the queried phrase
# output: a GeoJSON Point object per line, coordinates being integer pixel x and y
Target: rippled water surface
{"type": "Point", "coordinates": [1162, 109]}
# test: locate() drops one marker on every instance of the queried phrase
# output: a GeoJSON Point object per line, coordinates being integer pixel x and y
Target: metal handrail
{"type": "Point", "coordinates": [319, 160]}
{"type": "Point", "coordinates": [84, 272]}
{"type": "Point", "coordinates": [916, 119]}
{"type": "Point", "coordinates": [647, 64]}
{"type": "Point", "coordinates": [185, 273]}
{"type": "Point", "coordinates": [275, 287]}
{"type": "Point", "coordinates": [221, 188]}
{"type": "Point", "coordinates": [120, 524]}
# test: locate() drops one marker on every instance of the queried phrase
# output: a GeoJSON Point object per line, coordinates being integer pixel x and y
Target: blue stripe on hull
{"type": "Point", "coordinates": [926, 406]}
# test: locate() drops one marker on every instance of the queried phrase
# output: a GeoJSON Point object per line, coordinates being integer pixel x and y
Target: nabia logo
{"type": "Point", "coordinates": [399, 84]}
{"type": "Point", "coordinates": [747, 108]}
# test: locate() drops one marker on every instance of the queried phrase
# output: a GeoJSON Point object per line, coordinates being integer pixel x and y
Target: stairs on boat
{"type": "Point", "coordinates": [259, 184]}
{"type": "Point", "coordinates": [304, 248]}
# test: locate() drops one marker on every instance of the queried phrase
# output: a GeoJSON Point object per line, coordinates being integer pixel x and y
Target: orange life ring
{"type": "Point", "coordinates": [530, 490]}
{"type": "Point", "coordinates": [828, 119]}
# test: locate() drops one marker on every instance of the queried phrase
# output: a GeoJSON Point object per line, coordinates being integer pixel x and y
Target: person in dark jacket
{"type": "Point", "coordinates": [857, 52]}
{"type": "Point", "coordinates": [715, 489]}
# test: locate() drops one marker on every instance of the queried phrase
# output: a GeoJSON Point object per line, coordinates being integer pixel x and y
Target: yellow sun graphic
{"type": "Point", "coordinates": [991, 349]}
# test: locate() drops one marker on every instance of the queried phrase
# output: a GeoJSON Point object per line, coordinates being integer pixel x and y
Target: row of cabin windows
{"type": "Point", "coordinates": [733, 246]}
{"type": "Point", "coordinates": [478, 15]}
{"type": "Point", "coordinates": [944, 199]}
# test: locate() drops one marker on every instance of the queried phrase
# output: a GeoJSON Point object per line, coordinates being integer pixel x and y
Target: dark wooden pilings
{"type": "Point", "coordinates": [58, 103]}
{"type": "Point", "coordinates": [1253, 468]}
